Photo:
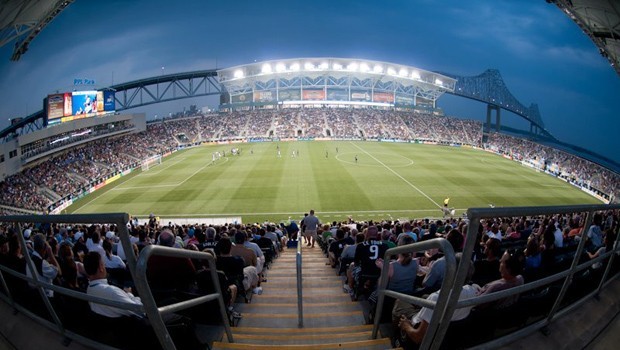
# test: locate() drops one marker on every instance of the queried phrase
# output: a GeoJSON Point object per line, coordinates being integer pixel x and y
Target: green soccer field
{"type": "Point", "coordinates": [389, 180]}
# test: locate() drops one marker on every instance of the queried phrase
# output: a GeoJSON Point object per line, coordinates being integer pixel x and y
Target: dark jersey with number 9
{"type": "Point", "coordinates": [366, 253]}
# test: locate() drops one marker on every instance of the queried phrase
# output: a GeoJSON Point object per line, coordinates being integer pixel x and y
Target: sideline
{"type": "Point", "coordinates": [118, 188]}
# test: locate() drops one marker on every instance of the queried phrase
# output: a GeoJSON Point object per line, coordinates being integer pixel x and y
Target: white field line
{"type": "Point", "coordinates": [161, 168]}
{"type": "Point", "coordinates": [323, 213]}
{"type": "Point", "coordinates": [120, 188]}
{"type": "Point", "coordinates": [397, 174]}
{"type": "Point", "coordinates": [142, 187]}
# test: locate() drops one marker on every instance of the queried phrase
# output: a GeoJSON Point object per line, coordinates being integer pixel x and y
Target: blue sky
{"type": "Point", "coordinates": [543, 56]}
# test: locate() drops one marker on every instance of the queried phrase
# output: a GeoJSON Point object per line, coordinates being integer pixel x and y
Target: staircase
{"type": "Point", "coordinates": [331, 319]}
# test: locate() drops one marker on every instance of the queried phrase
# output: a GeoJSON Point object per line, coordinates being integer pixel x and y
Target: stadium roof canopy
{"type": "Point", "coordinates": [339, 74]}
{"type": "Point", "coordinates": [600, 20]}
{"type": "Point", "coordinates": [23, 20]}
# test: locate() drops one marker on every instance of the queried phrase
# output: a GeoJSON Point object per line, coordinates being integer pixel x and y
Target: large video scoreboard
{"type": "Point", "coordinates": [69, 106]}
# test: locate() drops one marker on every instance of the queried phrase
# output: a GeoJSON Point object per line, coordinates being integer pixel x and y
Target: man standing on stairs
{"type": "Point", "coordinates": [311, 223]}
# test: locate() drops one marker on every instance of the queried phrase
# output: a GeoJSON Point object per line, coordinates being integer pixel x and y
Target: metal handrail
{"type": "Point", "coordinates": [453, 284]}
{"type": "Point", "coordinates": [154, 312]}
{"type": "Point", "coordinates": [300, 306]}
{"type": "Point", "coordinates": [444, 292]}
{"type": "Point", "coordinates": [475, 215]}
{"type": "Point", "coordinates": [137, 268]}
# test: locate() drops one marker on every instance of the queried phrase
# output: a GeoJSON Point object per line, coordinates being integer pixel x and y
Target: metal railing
{"type": "Point", "coordinates": [137, 269]}
{"type": "Point", "coordinates": [300, 305]}
{"type": "Point", "coordinates": [453, 284]}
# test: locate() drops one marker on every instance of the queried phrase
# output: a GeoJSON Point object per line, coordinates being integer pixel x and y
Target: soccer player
{"type": "Point", "coordinates": [326, 154]}
{"type": "Point", "coordinates": [356, 159]}
{"type": "Point", "coordinates": [446, 201]}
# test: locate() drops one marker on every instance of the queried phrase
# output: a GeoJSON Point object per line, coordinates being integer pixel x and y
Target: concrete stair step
{"type": "Point", "coordinates": [364, 344]}
{"type": "Point", "coordinates": [300, 339]}
{"type": "Point", "coordinates": [286, 320]}
{"type": "Point", "coordinates": [312, 290]}
{"type": "Point", "coordinates": [307, 298]}
{"type": "Point", "coordinates": [293, 274]}
{"type": "Point", "coordinates": [331, 320]}
{"type": "Point", "coordinates": [308, 307]}
{"type": "Point", "coordinates": [294, 331]}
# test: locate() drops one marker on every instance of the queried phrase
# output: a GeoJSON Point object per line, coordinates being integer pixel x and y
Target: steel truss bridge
{"type": "Point", "coordinates": [487, 87]}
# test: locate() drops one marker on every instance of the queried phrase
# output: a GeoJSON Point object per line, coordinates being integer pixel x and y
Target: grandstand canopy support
{"type": "Point", "coordinates": [166, 88]}
{"type": "Point", "coordinates": [23, 20]}
{"type": "Point", "coordinates": [600, 21]}
{"type": "Point", "coordinates": [136, 94]}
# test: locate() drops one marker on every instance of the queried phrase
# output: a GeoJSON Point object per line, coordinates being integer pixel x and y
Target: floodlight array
{"type": "Point", "coordinates": [318, 65]}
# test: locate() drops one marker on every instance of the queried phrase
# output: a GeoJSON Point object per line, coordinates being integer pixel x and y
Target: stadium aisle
{"type": "Point", "coordinates": [331, 319]}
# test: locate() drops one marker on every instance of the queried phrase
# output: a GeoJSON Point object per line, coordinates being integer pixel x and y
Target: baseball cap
{"type": "Point", "coordinates": [78, 235]}
{"type": "Point", "coordinates": [109, 235]}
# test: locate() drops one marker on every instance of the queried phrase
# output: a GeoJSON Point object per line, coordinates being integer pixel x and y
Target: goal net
{"type": "Point", "coordinates": [150, 162]}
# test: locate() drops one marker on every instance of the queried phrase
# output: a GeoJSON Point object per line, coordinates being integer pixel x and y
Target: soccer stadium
{"type": "Point", "coordinates": [269, 222]}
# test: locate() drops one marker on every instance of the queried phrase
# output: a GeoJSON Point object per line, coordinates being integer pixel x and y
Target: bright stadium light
{"type": "Point", "coordinates": [308, 66]}
{"type": "Point", "coordinates": [324, 66]}
{"type": "Point", "coordinates": [266, 68]}
{"type": "Point", "coordinates": [364, 67]}
{"type": "Point", "coordinates": [352, 66]}
{"type": "Point", "coordinates": [337, 66]}
{"type": "Point", "coordinates": [415, 75]}
{"type": "Point", "coordinates": [295, 67]}
{"type": "Point", "coordinates": [391, 71]}
{"type": "Point", "coordinates": [238, 74]}
{"type": "Point", "coordinates": [438, 82]}
{"type": "Point", "coordinates": [378, 69]}
{"type": "Point", "coordinates": [403, 72]}
{"type": "Point", "coordinates": [280, 67]}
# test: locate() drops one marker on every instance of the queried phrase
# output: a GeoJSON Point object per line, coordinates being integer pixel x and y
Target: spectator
{"type": "Point", "coordinates": [413, 324]}
{"type": "Point", "coordinates": [510, 269]}
{"type": "Point", "coordinates": [44, 261]}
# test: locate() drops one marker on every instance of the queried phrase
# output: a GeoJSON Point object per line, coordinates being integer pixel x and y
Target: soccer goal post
{"type": "Point", "coordinates": [150, 162]}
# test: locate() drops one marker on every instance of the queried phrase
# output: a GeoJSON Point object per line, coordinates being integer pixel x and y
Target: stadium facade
{"type": "Point", "coordinates": [339, 82]}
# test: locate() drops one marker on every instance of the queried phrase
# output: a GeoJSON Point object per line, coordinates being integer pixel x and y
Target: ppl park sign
{"type": "Point", "coordinates": [85, 81]}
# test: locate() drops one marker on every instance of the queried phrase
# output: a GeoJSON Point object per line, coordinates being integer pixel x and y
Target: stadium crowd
{"type": "Point", "coordinates": [567, 166]}
{"type": "Point", "coordinates": [71, 171]}
{"type": "Point", "coordinates": [508, 252]}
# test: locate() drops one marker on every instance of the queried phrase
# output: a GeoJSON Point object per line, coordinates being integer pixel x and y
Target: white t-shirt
{"type": "Point", "coordinates": [425, 314]}
{"type": "Point", "coordinates": [113, 262]}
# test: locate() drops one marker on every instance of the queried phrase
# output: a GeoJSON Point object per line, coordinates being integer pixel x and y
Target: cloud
{"type": "Point", "coordinates": [569, 54]}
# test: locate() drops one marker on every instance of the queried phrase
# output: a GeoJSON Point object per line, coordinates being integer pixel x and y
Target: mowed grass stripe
{"type": "Point", "coordinates": [277, 189]}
